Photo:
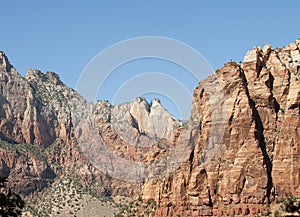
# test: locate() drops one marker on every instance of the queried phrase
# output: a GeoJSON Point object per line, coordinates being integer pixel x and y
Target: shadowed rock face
{"type": "Point", "coordinates": [238, 151]}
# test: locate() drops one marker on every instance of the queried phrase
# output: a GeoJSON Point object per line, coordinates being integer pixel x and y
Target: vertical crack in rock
{"type": "Point", "coordinates": [259, 135]}
{"type": "Point", "coordinates": [191, 160]}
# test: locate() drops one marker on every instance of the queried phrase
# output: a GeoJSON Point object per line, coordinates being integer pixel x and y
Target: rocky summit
{"type": "Point", "coordinates": [238, 154]}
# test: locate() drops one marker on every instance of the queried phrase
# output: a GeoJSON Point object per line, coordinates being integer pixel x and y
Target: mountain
{"type": "Point", "coordinates": [257, 161]}
{"type": "Point", "coordinates": [238, 152]}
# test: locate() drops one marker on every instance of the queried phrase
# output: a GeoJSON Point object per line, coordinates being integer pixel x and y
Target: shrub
{"type": "Point", "coordinates": [291, 204]}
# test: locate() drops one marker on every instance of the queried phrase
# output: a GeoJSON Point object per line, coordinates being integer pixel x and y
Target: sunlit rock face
{"type": "Point", "coordinates": [258, 157]}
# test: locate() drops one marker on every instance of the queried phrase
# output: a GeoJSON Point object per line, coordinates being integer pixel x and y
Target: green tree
{"type": "Point", "coordinates": [11, 204]}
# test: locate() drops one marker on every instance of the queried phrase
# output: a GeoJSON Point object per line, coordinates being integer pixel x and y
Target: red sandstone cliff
{"type": "Point", "coordinates": [258, 157]}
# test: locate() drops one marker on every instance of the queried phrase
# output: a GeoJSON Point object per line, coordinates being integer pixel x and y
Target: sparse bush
{"type": "Point", "coordinates": [291, 204]}
{"type": "Point", "coordinates": [140, 199]}
{"type": "Point", "coordinates": [277, 214]}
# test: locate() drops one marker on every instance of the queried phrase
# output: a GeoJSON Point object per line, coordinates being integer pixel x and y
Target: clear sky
{"type": "Point", "coordinates": [63, 36]}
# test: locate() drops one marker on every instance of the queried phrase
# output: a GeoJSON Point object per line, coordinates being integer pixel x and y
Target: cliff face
{"type": "Point", "coordinates": [35, 121]}
{"type": "Point", "coordinates": [237, 152]}
{"type": "Point", "coordinates": [37, 132]}
{"type": "Point", "coordinates": [257, 160]}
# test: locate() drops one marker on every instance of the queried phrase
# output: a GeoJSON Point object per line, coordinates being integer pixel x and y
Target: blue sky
{"type": "Point", "coordinates": [63, 36]}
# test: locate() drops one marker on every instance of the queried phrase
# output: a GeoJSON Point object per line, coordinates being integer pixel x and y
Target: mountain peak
{"type": "Point", "coordinates": [34, 74]}
{"type": "Point", "coordinates": [4, 63]}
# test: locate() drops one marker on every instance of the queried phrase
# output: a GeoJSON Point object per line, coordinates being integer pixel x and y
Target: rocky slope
{"type": "Point", "coordinates": [238, 151]}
